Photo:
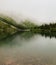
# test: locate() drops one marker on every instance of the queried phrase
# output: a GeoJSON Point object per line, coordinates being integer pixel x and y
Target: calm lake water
{"type": "Point", "coordinates": [28, 49]}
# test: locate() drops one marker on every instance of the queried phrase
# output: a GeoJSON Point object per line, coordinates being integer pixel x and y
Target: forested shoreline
{"type": "Point", "coordinates": [8, 27]}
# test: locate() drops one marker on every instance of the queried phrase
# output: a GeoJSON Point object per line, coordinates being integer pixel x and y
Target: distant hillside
{"type": "Point", "coordinates": [8, 27]}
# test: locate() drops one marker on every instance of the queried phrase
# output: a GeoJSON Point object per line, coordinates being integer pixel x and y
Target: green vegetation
{"type": "Point", "coordinates": [28, 25]}
{"type": "Point", "coordinates": [6, 29]}
{"type": "Point", "coordinates": [9, 27]}
{"type": "Point", "coordinates": [49, 28]}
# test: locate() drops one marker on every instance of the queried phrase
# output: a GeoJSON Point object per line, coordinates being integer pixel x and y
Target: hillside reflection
{"type": "Point", "coordinates": [48, 34]}
{"type": "Point", "coordinates": [25, 36]}
{"type": "Point", "coordinates": [28, 35]}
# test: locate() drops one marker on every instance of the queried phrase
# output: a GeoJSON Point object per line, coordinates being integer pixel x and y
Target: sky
{"type": "Point", "coordinates": [42, 11]}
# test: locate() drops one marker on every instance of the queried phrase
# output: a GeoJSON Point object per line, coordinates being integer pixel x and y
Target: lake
{"type": "Point", "coordinates": [28, 49]}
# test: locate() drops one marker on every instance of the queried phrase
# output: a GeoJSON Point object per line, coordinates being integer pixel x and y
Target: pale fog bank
{"type": "Point", "coordinates": [37, 11]}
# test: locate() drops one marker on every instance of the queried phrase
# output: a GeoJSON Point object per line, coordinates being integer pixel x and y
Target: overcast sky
{"type": "Point", "coordinates": [40, 10]}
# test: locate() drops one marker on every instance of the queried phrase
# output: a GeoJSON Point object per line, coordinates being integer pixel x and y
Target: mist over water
{"type": "Point", "coordinates": [40, 11]}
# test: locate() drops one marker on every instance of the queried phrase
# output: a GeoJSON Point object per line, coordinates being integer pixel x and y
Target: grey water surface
{"type": "Point", "coordinates": [28, 49]}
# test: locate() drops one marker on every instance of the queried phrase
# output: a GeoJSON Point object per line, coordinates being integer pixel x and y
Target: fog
{"type": "Point", "coordinates": [40, 11]}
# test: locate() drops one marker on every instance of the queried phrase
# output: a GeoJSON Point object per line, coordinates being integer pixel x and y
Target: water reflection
{"type": "Point", "coordinates": [48, 34]}
{"type": "Point", "coordinates": [26, 36]}
{"type": "Point", "coordinates": [9, 39]}
{"type": "Point", "coordinates": [27, 48]}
